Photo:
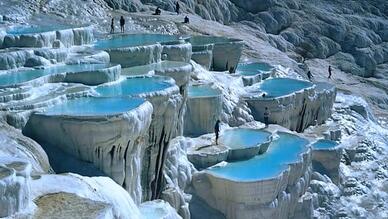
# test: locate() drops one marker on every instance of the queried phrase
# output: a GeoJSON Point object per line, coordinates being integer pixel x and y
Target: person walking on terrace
{"type": "Point", "coordinates": [266, 117]}
{"type": "Point", "coordinates": [310, 75]}
{"type": "Point", "coordinates": [157, 11]}
{"type": "Point", "coordinates": [177, 7]}
{"type": "Point", "coordinates": [217, 130]}
{"type": "Point", "coordinates": [122, 24]}
{"type": "Point", "coordinates": [112, 26]}
{"type": "Point", "coordinates": [329, 72]}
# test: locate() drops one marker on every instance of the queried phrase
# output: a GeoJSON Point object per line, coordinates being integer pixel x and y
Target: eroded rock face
{"type": "Point", "coordinates": [115, 143]}
{"type": "Point", "coordinates": [14, 186]}
{"type": "Point", "coordinates": [14, 144]}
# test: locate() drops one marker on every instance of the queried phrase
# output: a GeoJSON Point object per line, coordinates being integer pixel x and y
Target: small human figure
{"type": "Point", "coordinates": [112, 26]}
{"type": "Point", "coordinates": [310, 75]}
{"type": "Point", "coordinates": [263, 95]}
{"type": "Point", "coordinates": [177, 7]}
{"type": "Point", "coordinates": [122, 24]}
{"type": "Point", "coordinates": [266, 117]}
{"type": "Point", "coordinates": [157, 11]}
{"type": "Point", "coordinates": [217, 130]}
{"type": "Point", "coordinates": [329, 72]}
{"type": "Point", "coordinates": [187, 20]}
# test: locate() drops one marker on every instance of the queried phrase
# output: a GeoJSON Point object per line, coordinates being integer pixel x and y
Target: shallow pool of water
{"type": "Point", "coordinates": [29, 29]}
{"type": "Point", "coordinates": [278, 87]}
{"type": "Point", "coordinates": [244, 138]}
{"type": "Point", "coordinates": [324, 144]}
{"type": "Point", "coordinates": [134, 86]}
{"type": "Point", "coordinates": [282, 151]}
{"type": "Point", "coordinates": [249, 69]}
{"type": "Point", "coordinates": [94, 106]}
{"type": "Point", "coordinates": [202, 91]}
{"type": "Point", "coordinates": [17, 77]}
{"type": "Point", "coordinates": [134, 40]}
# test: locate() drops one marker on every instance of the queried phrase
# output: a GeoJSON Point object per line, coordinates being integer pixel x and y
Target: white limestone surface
{"type": "Point", "coordinates": [204, 108]}
{"type": "Point", "coordinates": [114, 143]}
{"type": "Point", "coordinates": [14, 186]}
{"type": "Point", "coordinates": [275, 197]}
{"type": "Point", "coordinates": [136, 55]}
{"type": "Point", "coordinates": [68, 37]}
{"type": "Point", "coordinates": [296, 111]}
{"type": "Point", "coordinates": [177, 52]}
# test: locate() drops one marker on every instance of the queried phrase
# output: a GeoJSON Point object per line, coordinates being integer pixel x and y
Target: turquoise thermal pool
{"type": "Point", "coordinates": [135, 40]}
{"type": "Point", "coordinates": [94, 106]}
{"type": "Point", "coordinates": [244, 138]}
{"type": "Point", "coordinates": [202, 91]}
{"type": "Point", "coordinates": [281, 152]}
{"type": "Point", "coordinates": [255, 68]}
{"type": "Point", "coordinates": [17, 77]}
{"type": "Point", "coordinates": [135, 86]}
{"type": "Point", "coordinates": [32, 29]}
{"type": "Point", "coordinates": [324, 144]}
{"type": "Point", "coordinates": [278, 87]}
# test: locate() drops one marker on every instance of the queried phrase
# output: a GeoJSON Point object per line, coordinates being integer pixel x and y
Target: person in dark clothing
{"type": "Point", "coordinates": [309, 75]}
{"type": "Point", "coordinates": [329, 72]}
{"type": "Point", "coordinates": [217, 130]}
{"type": "Point", "coordinates": [122, 24]}
{"type": "Point", "coordinates": [187, 20]}
{"type": "Point", "coordinates": [177, 7]}
{"type": "Point", "coordinates": [157, 11]}
{"type": "Point", "coordinates": [112, 26]}
{"type": "Point", "coordinates": [266, 117]}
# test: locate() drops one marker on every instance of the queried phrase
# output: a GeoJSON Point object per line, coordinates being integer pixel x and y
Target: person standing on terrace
{"type": "Point", "coordinates": [329, 72]}
{"type": "Point", "coordinates": [266, 117]}
{"type": "Point", "coordinates": [217, 130]}
{"type": "Point", "coordinates": [177, 7]}
{"type": "Point", "coordinates": [309, 75]}
{"type": "Point", "coordinates": [122, 24]}
{"type": "Point", "coordinates": [112, 26]}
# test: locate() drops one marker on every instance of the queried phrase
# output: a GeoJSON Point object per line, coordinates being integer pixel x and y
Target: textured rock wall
{"type": "Point", "coordinates": [114, 144]}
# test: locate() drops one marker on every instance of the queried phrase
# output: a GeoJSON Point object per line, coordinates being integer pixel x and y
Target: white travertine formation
{"type": "Point", "coordinates": [94, 77]}
{"type": "Point", "coordinates": [203, 110]}
{"type": "Point", "coordinates": [177, 52]}
{"type": "Point", "coordinates": [137, 55]}
{"type": "Point", "coordinates": [19, 147]}
{"type": "Point", "coordinates": [203, 55]}
{"type": "Point", "coordinates": [113, 143]}
{"type": "Point", "coordinates": [158, 209]}
{"type": "Point", "coordinates": [226, 52]}
{"type": "Point", "coordinates": [14, 59]}
{"type": "Point", "coordinates": [298, 110]}
{"type": "Point", "coordinates": [275, 197]}
{"type": "Point", "coordinates": [327, 161]}
{"type": "Point", "coordinates": [14, 186]}
{"type": "Point", "coordinates": [68, 37]}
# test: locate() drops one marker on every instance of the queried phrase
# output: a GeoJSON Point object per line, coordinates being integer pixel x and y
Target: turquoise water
{"type": "Point", "coordinates": [324, 144]}
{"type": "Point", "coordinates": [202, 91]}
{"type": "Point", "coordinates": [17, 77]}
{"type": "Point", "coordinates": [278, 87]}
{"type": "Point", "coordinates": [18, 30]}
{"type": "Point", "coordinates": [282, 151]}
{"type": "Point", "coordinates": [134, 40]}
{"type": "Point", "coordinates": [255, 68]}
{"type": "Point", "coordinates": [244, 138]}
{"type": "Point", "coordinates": [134, 86]}
{"type": "Point", "coordinates": [94, 106]}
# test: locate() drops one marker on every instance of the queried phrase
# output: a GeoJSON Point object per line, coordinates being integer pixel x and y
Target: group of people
{"type": "Point", "coordinates": [177, 10]}
{"type": "Point", "coordinates": [122, 25]}
{"type": "Point", "coordinates": [158, 11]}
{"type": "Point", "coordinates": [310, 75]}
